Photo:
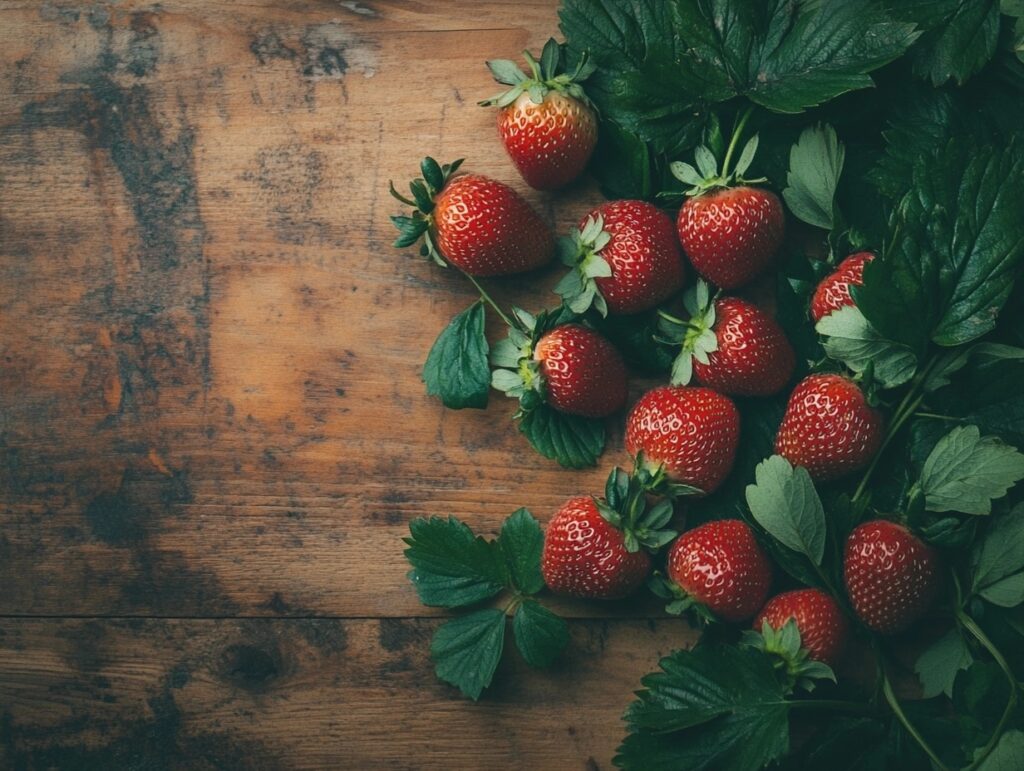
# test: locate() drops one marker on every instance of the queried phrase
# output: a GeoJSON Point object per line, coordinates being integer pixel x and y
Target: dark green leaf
{"type": "Point", "coordinates": [451, 566]}
{"type": "Point", "coordinates": [457, 368]}
{"type": "Point", "coordinates": [713, 707]}
{"type": "Point", "coordinates": [998, 562]}
{"type": "Point", "coordinates": [938, 666]}
{"type": "Point", "coordinates": [573, 441]}
{"type": "Point", "coordinates": [851, 339]}
{"type": "Point", "coordinates": [540, 635]}
{"type": "Point", "coordinates": [960, 241]}
{"type": "Point", "coordinates": [959, 39]}
{"type": "Point", "coordinates": [466, 650]}
{"type": "Point", "coordinates": [521, 541]}
{"type": "Point", "coordinates": [1007, 755]}
{"type": "Point", "coordinates": [549, 58]}
{"type": "Point", "coordinates": [432, 173]}
{"type": "Point", "coordinates": [966, 472]}
{"type": "Point", "coordinates": [785, 503]}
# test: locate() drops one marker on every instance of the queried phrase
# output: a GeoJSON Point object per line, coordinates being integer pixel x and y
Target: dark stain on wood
{"type": "Point", "coordinates": [251, 668]}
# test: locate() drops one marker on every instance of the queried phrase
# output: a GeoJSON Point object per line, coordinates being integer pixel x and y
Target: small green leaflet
{"type": "Point", "coordinates": [998, 562]}
{"type": "Point", "coordinates": [966, 472]}
{"type": "Point", "coordinates": [573, 441]}
{"type": "Point", "coordinates": [1007, 754]}
{"type": "Point", "coordinates": [521, 542]}
{"type": "Point", "coordinates": [456, 367]}
{"type": "Point", "coordinates": [451, 566]}
{"type": "Point", "coordinates": [785, 503]}
{"type": "Point", "coordinates": [851, 339]}
{"type": "Point", "coordinates": [540, 635]}
{"type": "Point", "coordinates": [815, 163]}
{"type": "Point", "coordinates": [716, 706]}
{"type": "Point", "coordinates": [938, 666]}
{"type": "Point", "coordinates": [467, 649]}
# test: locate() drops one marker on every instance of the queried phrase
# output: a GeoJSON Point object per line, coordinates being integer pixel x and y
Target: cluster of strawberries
{"type": "Point", "coordinates": [628, 257]}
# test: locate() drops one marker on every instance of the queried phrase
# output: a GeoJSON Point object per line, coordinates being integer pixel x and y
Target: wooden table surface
{"type": "Point", "coordinates": [213, 431]}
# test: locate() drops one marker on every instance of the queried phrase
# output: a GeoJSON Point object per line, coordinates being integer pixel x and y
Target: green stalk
{"type": "Point", "coordinates": [489, 300]}
{"type": "Point", "coordinates": [897, 710]}
{"type": "Point", "coordinates": [969, 624]}
{"type": "Point", "coordinates": [734, 139]}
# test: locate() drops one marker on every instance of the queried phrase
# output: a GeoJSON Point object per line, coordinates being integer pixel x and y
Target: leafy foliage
{"type": "Point", "coordinates": [966, 471]}
{"type": "Point", "coordinates": [456, 367]}
{"type": "Point", "coordinates": [815, 163]}
{"type": "Point", "coordinates": [573, 441]}
{"type": "Point", "coordinates": [785, 503]}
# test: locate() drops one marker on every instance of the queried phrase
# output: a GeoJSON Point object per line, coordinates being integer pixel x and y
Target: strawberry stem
{"type": "Point", "coordinates": [897, 710]}
{"type": "Point", "coordinates": [735, 139]}
{"type": "Point", "coordinates": [489, 300]}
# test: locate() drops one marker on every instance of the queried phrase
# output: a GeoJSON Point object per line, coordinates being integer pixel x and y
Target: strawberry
{"type": "Point", "coordinates": [546, 122]}
{"type": "Point", "coordinates": [625, 259]}
{"type": "Point", "coordinates": [833, 292]}
{"type": "Point", "coordinates": [721, 566]}
{"type": "Point", "coordinates": [730, 345]}
{"type": "Point", "coordinates": [595, 548]}
{"type": "Point", "coordinates": [823, 627]}
{"type": "Point", "coordinates": [477, 224]}
{"type": "Point", "coordinates": [729, 230]}
{"type": "Point", "coordinates": [828, 427]}
{"type": "Point", "coordinates": [691, 432]}
{"type": "Point", "coordinates": [572, 367]}
{"type": "Point", "coordinates": [891, 575]}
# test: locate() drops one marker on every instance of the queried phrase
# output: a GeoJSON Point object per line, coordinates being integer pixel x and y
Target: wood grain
{"type": "Point", "coordinates": [210, 402]}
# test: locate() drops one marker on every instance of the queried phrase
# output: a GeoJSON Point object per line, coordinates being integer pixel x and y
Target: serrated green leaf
{"type": "Point", "coordinates": [466, 650]}
{"type": "Point", "coordinates": [784, 502]}
{"type": "Point", "coordinates": [1007, 754]}
{"type": "Point", "coordinates": [540, 635]}
{"type": "Point", "coordinates": [716, 706]}
{"type": "Point", "coordinates": [521, 541]}
{"type": "Point", "coordinates": [451, 566]}
{"type": "Point", "coordinates": [573, 441]}
{"type": "Point", "coordinates": [959, 39]}
{"type": "Point", "coordinates": [998, 561]}
{"type": "Point", "coordinates": [456, 368]}
{"type": "Point", "coordinates": [851, 339]}
{"type": "Point", "coordinates": [938, 666]}
{"type": "Point", "coordinates": [815, 165]}
{"type": "Point", "coordinates": [966, 472]}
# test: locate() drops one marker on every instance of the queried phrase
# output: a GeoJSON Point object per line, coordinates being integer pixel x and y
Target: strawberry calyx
{"type": "Point", "coordinates": [653, 475]}
{"type": "Point", "coordinates": [706, 176]}
{"type": "Point", "coordinates": [423, 190]}
{"type": "Point", "coordinates": [581, 251]}
{"type": "Point", "coordinates": [625, 506]}
{"type": "Point", "coordinates": [791, 661]}
{"type": "Point", "coordinates": [679, 600]}
{"type": "Point", "coordinates": [517, 374]}
{"type": "Point", "coordinates": [546, 75]}
{"type": "Point", "coordinates": [696, 336]}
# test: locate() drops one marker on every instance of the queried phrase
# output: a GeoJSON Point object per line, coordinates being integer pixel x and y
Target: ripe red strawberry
{"type": "Point", "coordinates": [731, 234]}
{"type": "Point", "coordinates": [823, 627]}
{"type": "Point", "coordinates": [721, 565]}
{"type": "Point", "coordinates": [729, 345]}
{"type": "Point", "coordinates": [828, 427]}
{"type": "Point", "coordinates": [546, 122]}
{"type": "Point", "coordinates": [585, 555]}
{"type": "Point", "coordinates": [571, 367]}
{"type": "Point", "coordinates": [692, 432]}
{"type": "Point", "coordinates": [625, 258]}
{"type": "Point", "coordinates": [833, 292]}
{"type": "Point", "coordinates": [475, 223]}
{"type": "Point", "coordinates": [891, 575]}
{"type": "Point", "coordinates": [584, 373]}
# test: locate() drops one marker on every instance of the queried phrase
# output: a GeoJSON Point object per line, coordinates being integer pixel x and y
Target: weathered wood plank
{"type": "Point", "coordinates": [311, 693]}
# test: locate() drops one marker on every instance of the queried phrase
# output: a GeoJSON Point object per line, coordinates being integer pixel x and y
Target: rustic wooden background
{"type": "Point", "coordinates": [212, 427]}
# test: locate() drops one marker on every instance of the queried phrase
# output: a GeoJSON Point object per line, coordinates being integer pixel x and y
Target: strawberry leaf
{"type": "Point", "coordinates": [540, 635]}
{"type": "Point", "coordinates": [451, 566]}
{"type": "Point", "coordinates": [785, 503]}
{"type": "Point", "coordinates": [466, 650]}
{"type": "Point", "coordinates": [718, 706]}
{"type": "Point", "coordinates": [966, 472]}
{"type": "Point", "coordinates": [938, 666]}
{"type": "Point", "coordinates": [815, 164]}
{"type": "Point", "coordinates": [998, 562]}
{"type": "Point", "coordinates": [521, 541]}
{"type": "Point", "coordinates": [850, 338]}
{"type": "Point", "coordinates": [573, 441]}
{"type": "Point", "coordinates": [959, 39]}
{"type": "Point", "coordinates": [1007, 753]}
{"type": "Point", "coordinates": [456, 368]}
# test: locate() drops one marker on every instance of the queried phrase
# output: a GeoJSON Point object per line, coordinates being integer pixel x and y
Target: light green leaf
{"type": "Point", "coordinates": [466, 650]}
{"type": "Point", "coordinates": [456, 368]}
{"type": "Point", "coordinates": [505, 353]}
{"type": "Point", "coordinates": [851, 339]}
{"type": "Point", "coordinates": [1007, 755]}
{"type": "Point", "coordinates": [785, 503]}
{"type": "Point", "coordinates": [815, 164]}
{"type": "Point", "coordinates": [966, 472]}
{"type": "Point", "coordinates": [521, 541]}
{"type": "Point", "coordinates": [937, 667]}
{"type": "Point", "coordinates": [540, 635]}
{"type": "Point", "coordinates": [506, 380]}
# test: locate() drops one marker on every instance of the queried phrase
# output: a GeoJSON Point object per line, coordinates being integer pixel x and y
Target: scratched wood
{"type": "Point", "coordinates": [210, 403]}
